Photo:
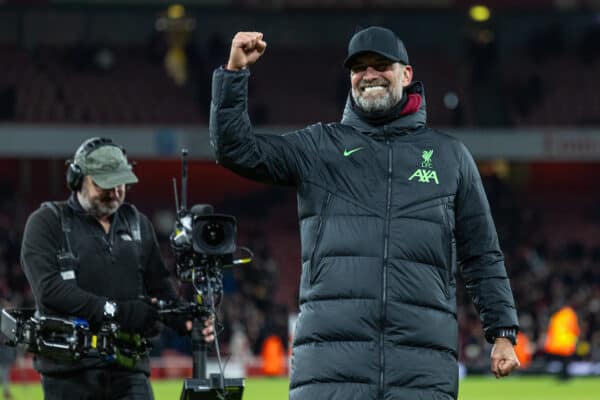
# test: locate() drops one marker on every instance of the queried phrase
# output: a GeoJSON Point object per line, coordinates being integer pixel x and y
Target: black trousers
{"type": "Point", "coordinates": [563, 374]}
{"type": "Point", "coordinates": [97, 384]}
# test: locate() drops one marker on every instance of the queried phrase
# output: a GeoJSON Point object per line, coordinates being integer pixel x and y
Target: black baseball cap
{"type": "Point", "coordinates": [376, 39]}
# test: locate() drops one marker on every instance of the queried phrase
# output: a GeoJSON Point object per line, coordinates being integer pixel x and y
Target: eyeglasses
{"type": "Point", "coordinates": [381, 66]}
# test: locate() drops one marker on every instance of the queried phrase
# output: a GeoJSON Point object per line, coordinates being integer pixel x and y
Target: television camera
{"type": "Point", "coordinates": [203, 244]}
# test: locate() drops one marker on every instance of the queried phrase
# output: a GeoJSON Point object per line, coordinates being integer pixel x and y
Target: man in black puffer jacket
{"type": "Point", "coordinates": [389, 211]}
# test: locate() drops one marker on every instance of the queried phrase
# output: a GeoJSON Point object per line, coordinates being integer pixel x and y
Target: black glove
{"type": "Point", "coordinates": [136, 316]}
{"type": "Point", "coordinates": [178, 323]}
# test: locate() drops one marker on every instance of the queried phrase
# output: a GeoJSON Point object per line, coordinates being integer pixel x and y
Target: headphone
{"type": "Point", "coordinates": [75, 173]}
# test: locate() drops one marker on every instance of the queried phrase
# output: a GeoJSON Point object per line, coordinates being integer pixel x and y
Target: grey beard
{"type": "Point", "coordinates": [96, 209]}
{"type": "Point", "coordinates": [379, 104]}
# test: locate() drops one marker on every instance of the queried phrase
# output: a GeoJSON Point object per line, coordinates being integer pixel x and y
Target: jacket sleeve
{"type": "Point", "coordinates": [479, 255]}
{"type": "Point", "coordinates": [278, 159]}
{"type": "Point", "coordinates": [156, 277]}
{"type": "Point", "coordinates": [41, 244]}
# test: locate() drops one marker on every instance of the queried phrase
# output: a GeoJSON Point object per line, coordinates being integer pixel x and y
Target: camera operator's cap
{"type": "Point", "coordinates": [107, 166]}
{"type": "Point", "coordinates": [376, 39]}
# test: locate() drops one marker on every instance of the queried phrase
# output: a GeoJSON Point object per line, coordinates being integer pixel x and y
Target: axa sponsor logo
{"type": "Point", "coordinates": [426, 174]}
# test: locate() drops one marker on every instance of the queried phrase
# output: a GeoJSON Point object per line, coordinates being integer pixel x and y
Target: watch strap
{"type": "Point", "coordinates": [508, 333]}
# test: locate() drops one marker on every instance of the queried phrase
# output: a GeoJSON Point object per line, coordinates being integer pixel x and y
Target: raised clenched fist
{"type": "Point", "coordinates": [246, 48]}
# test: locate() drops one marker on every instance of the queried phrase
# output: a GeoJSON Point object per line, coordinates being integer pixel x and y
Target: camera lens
{"type": "Point", "coordinates": [213, 233]}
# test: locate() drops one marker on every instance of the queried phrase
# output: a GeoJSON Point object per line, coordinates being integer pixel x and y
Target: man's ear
{"type": "Point", "coordinates": [407, 75]}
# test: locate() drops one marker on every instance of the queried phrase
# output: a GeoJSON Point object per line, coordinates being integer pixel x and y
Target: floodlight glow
{"type": "Point", "coordinates": [175, 11]}
{"type": "Point", "coordinates": [479, 13]}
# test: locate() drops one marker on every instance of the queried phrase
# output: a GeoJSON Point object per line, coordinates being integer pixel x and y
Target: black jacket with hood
{"type": "Point", "coordinates": [388, 215]}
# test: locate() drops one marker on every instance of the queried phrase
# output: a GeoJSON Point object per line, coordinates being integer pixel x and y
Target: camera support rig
{"type": "Point", "coordinates": [203, 244]}
{"type": "Point", "coordinates": [70, 339]}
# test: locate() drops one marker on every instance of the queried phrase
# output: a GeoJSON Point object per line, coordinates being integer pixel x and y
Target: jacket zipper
{"type": "Point", "coordinates": [384, 277]}
{"type": "Point", "coordinates": [111, 234]}
{"type": "Point", "coordinates": [448, 270]}
{"type": "Point", "coordinates": [109, 239]}
{"type": "Point", "coordinates": [320, 228]}
{"type": "Point", "coordinates": [452, 259]}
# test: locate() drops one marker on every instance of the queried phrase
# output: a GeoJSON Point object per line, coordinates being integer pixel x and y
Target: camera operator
{"type": "Point", "coordinates": [95, 257]}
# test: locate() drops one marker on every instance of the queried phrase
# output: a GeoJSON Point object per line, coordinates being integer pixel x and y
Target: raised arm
{"type": "Point", "coordinates": [285, 159]}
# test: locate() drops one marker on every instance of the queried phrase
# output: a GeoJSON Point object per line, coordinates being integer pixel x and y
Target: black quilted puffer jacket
{"type": "Point", "coordinates": [388, 215]}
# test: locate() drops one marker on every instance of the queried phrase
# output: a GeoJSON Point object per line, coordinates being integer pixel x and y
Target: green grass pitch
{"type": "Point", "coordinates": [473, 388]}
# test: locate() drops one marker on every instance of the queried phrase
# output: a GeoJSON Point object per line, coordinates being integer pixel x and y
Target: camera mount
{"type": "Point", "coordinates": [70, 339]}
{"type": "Point", "coordinates": [203, 244]}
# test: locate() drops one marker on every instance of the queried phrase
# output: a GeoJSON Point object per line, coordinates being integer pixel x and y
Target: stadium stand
{"type": "Point", "coordinates": [549, 232]}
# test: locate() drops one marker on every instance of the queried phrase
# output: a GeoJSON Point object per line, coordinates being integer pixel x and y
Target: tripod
{"type": "Point", "coordinates": [203, 243]}
{"type": "Point", "coordinates": [215, 387]}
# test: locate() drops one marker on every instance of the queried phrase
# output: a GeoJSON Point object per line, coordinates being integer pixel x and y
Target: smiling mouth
{"type": "Point", "coordinates": [369, 89]}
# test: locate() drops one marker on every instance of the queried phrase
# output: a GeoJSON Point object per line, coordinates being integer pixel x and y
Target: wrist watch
{"type": "Point", "coordinates": [110, 309]}
{"type": "Point", "coordinates": [508, 333]}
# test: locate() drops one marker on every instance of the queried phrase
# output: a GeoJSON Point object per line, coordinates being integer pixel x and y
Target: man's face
{"type": "Point", "coordinates": [100, 202]}
{"type": "Point", "coordinates": [377, 82]}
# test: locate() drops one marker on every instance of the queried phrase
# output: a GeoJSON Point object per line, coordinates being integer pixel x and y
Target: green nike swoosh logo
{"type": "Point", "coordinates": [348, 152]}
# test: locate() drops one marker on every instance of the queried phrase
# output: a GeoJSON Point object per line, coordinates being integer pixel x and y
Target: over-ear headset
{"type": "Point", "coordinates": [75, 173]}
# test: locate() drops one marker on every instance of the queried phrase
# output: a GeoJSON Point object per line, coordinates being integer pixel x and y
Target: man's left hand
{"type": "Point", "coordinates": [504, 359]}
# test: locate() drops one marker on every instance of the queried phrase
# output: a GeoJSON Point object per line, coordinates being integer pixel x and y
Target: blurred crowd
{"type": "Point", "coordinates": [547, 271]}
{"type": "Point", "coordinates": [14, 288]}
{"type": "Point", "coordinates": [548, 268]}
